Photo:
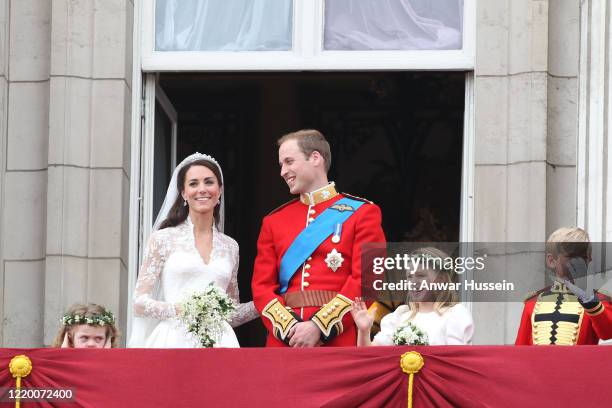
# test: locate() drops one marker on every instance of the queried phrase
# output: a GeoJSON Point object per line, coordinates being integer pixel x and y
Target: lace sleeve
{"type": "Point", "coordinates": [245, 312]}
{"type": "Point", "coordinates": [144, 303]}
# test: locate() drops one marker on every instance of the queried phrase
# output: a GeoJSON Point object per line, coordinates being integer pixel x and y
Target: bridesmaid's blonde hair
{"type": "Point", "coordinates": [444, 298]}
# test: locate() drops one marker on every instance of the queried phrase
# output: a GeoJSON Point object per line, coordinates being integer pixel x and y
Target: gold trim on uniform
{"type": "Point", "coordinates": [318, 196]}
{"type": "Point", "coordinates": [365, 200]}
{"type": "Point", "coordinates": [559, 287]}
{"type": "Point", "coordinates": [597, 310]}
{"type": "Point", "coordinates": [565, 333]}
{"type": "Point", "coordinates": [281, 318]}
{"type": "Point", "coordinates": [332, 313]}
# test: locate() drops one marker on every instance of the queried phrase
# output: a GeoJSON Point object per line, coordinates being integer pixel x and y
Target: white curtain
{"type": "Point", "coordinates": [223, 25]}
{"type": "Point", "coordinates": [393, 24]}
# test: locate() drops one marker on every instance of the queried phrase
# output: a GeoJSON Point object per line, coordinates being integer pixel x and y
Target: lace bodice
{"type": "Point", "coordinates": [172, 261]}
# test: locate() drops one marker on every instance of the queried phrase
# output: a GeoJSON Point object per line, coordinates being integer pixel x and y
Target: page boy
{"type": "Point", "coordinates": [564, 314]}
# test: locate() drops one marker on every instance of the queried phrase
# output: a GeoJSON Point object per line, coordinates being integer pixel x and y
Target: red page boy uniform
{"type": "Point", "coordinates": [557, 316]}
{"type": "Point", "coordinates": [308, 264]}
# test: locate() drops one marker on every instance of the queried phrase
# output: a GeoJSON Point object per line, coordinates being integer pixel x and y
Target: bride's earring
{"type": "Point", "coordinates": [184, 203]}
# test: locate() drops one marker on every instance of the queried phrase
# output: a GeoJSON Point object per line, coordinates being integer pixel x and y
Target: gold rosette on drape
{"type": "Point", "coordinates": [411, 363]}
{"type": "Point", "coordinates": [20, 367]}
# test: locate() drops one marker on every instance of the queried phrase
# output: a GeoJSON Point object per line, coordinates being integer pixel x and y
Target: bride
{"type": "Point", "coordinates": [186, 252]}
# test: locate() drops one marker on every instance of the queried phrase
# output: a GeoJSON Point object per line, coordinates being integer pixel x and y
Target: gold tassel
{"type": "Point", "coordinates": [411, 363]}
{"type": "Point", "coordinates": [20, 367]}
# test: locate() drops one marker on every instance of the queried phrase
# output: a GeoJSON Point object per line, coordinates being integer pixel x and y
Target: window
{"type": "Point", "coordinates": [393, 24]}
{"type": "Point", "coordinates": [228, 25]}
{"type": "Point", "coordinates": [254, 35]}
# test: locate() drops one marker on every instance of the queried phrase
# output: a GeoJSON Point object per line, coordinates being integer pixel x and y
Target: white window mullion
{"type": "Point", "coordinates": [308, 28]}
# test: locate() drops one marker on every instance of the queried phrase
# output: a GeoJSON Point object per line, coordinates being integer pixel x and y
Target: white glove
{"type": "Point", "coordinates": [577, 267]}
{"type": "Point", "coordinates": [583, 296]}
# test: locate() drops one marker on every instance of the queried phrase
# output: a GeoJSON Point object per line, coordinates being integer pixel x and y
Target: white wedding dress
{"type": "Point", "coordinates": [172, 270]}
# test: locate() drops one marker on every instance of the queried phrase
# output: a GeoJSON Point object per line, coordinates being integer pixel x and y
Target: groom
{"type": "Point", "coordinates": [308, 265]}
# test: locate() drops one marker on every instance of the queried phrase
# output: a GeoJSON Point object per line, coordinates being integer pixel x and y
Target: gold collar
{"type": "Point", "coordinates": [558, 287]}
{"type": "Point", "coordinates": [318, 196]}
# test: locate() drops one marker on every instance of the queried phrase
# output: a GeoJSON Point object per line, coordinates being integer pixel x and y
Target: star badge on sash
{"type": "Point", "coordinates": [334, 260]}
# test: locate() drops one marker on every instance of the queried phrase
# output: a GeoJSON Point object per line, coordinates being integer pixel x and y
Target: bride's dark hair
{"type": "Point", "coordinates": [179, 212]}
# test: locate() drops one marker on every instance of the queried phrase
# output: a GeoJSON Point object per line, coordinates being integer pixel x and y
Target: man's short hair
{"type": "Point", "coordinates": [569, 241]}
{"type": "Point", "coordinates": [310, 140]}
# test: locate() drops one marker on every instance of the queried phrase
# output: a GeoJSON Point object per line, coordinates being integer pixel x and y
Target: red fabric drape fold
{"type": "Point", "coordinates": [453, 376]}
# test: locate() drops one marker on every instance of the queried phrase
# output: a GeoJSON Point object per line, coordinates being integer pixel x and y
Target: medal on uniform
{"type": "Point", "coordinates": [334, 260]}
{"type": "Point", "coordinates": [337, 231]}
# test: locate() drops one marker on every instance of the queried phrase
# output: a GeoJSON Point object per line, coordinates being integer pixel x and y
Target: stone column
{"type": "Point", "coordinates": [511, 102]}
{"type": "Point", "coordinates": [24, 118]}
{"type": "Point", "coordinates": [88, 159]}
{"type": "Point", "coordinates": [564, 42]}
{"type": "Point", "coordinates": [595, 116]}
{"type": "Point", "coordinates": [594, 189]}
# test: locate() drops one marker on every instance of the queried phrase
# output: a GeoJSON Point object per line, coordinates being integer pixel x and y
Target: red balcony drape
{"type": "Point", "coordinates": [465, 376]}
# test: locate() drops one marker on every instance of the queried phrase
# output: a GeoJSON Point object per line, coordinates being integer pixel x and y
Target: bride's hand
{"type": "Point", "coordinates": [363, 319]}
{"type": "Point", "coordinates": [178, 309]}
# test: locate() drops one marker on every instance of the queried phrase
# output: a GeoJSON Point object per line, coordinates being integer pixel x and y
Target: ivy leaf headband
{"type": "Point", "coordinates": [106, 318]}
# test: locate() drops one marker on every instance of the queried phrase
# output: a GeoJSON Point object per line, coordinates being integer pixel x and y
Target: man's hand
{"type": "Point", "coordinates": [304, 334]}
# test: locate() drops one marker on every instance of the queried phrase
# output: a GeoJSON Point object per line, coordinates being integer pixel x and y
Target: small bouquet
{"type": "Point", "coordinates": [410, 335]}
{"type": "Point", "coordinates": [204, 313]}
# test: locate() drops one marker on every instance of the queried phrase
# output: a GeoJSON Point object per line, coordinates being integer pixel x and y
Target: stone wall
{"type": "Point", "coordinates": [526, 125]}
{"type": "Point", "coordinates": [66, 173]}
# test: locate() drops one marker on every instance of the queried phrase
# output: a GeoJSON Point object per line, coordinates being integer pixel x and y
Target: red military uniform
{"type": "Point", "coordinates": [555, 316]}
{"type": "Point", "coordinates": [315, 292]}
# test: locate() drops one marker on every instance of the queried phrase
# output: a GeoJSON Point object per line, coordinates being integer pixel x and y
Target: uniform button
{"type": "Point", "coordinates": [307, 266]}
{"type": "Point", "coordinates": [306, 274]}
{"type": "Point", "coordinates": [337, 304]}
{"type": "Point", "coordinates": [309, 258]}
{"type": "Point", "coordinates": [310, 219]}
{"type": "Point", "coordinates": [324, 315]}
{"type": "Point", "coordinates": [311, 211]}
{"type": "Point", "coordinates": [330, 310]}
{"type": "Point", "coordinates": [306, 284]}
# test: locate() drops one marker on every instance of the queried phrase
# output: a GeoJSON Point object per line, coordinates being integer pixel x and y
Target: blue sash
{"type": "Point", "coordinates": [313, 235]}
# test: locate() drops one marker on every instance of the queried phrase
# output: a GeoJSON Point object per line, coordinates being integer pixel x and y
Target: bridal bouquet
{"type": "Point", "coordinates": [204, 313]}
{"type": "Point", "coordinates": [411, 335]}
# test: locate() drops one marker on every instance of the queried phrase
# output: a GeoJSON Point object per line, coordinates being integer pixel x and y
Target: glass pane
{"type": "Point", "coordinates": [393, 24]}
{"type": "Point", "coordinates": [223, 25]}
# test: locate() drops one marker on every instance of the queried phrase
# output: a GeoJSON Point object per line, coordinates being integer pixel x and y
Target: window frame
{"type": "Point", "coordinates": [307, 52]}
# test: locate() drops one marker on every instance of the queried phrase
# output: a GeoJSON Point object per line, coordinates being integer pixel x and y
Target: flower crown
{"type": "Point", "coordinates": [97, 320]}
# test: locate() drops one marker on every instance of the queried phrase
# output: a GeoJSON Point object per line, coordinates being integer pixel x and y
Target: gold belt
{"type": "Point", "coordinates": [309, 298]}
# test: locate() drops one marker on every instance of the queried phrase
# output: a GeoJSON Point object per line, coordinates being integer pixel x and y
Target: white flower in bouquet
{"type": "Point", "coordinates": [204, 313]}
{"type": "Point", "coordinates": [410, 335]}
